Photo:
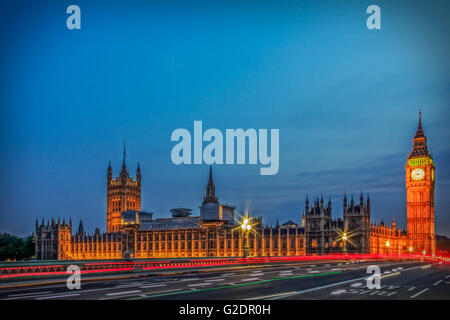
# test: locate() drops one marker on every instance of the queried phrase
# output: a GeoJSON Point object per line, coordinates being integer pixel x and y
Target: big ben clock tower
{"type": "Point", "coordinates": [420, 195]}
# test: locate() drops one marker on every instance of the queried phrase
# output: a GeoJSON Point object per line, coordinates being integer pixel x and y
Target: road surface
{"type": "Point", "coordinates": [410, 280]}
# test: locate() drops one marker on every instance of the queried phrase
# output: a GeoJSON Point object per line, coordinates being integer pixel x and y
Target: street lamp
{"type": "Point", "coordinates": [387, 246]}
{"type": "Point", "coordinates": [246, 227]}
{"type": "Point", "coordinates": [344, 239]}
{"type": "Point", "coordinates": [410, 249]}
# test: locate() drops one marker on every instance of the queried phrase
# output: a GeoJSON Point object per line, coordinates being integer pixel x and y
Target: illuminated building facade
{"type": "Point", "coordinates": [134, 234]}
{"type": "Point", "coordinates": [123, 194]}
{"type": "Point", "coordinates": [353, 234]}
{"type": "Point", "coordinates": [325, 235]}
{"type": "Point", "coordinates": [214, 233]}
{"type": "Point", "coordinates": [420, 176]}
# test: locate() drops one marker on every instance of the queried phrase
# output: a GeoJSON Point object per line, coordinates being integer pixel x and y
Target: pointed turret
{"type": "Point", "coordinates": [81, 228]}
{"type": "Point", "coordinates": [138, 173]}
{"type": "Point", "coordinates": [109, 173]}
{"type": "Point", "coordinates": [345, 201]}
{"type": "Point", "coordinates": [210, 190]}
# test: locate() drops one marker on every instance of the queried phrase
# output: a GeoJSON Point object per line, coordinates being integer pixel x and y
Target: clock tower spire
{"type": "Point", "coordinates": [420, 177]}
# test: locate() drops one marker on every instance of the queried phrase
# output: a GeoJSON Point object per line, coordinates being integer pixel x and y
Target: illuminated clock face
{"type": "Point", "coordinates": [417, 174]}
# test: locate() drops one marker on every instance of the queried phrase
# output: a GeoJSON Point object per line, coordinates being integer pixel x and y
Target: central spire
{"type": "Point", "coordinates": [419, 132]}
{"type": "Point", "coordinates": [124, 153]}
{"type": "Point", "coordinates": [420, 141]}
{"type": "Point", "coordinates": [124, 170]}
{"type": "Point", "coordinates": [210, 190]}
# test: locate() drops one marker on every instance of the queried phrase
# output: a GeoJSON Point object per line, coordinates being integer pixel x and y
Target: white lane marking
{"type": "Point", "coordinates": [58, 296]}
{"type": "Point", "coordinates": [215, 280]}
{"type": "Point", "coordinates": [336, 269]}
{"type": "Point", "coordinates": [80, 291]}
{"type": "Point", "coordinates": [269, 296]}
{"type": "Point", "coordinates": [327, 265]}
{"type": "Point", "coordinates": [355, 285]}
{"type": "Point", "coordinates": [199, 284]}
{"type": "Point", "coordinates": [400, 268]}
{"type": "Point", "coordinates": [184, 280]}
{"type": "Point", "coordinates": [149, 294]}
{"type": "Point", "coordinates": [321, 287]}
{"type": "Point", "coordinates": [249, 279]}
{"type": "Point", "coordinates": [123, 292]}
{"type": "Point", "coordinates": [418, 293]}
{"type": "Point", "coordinates": [329, 285]}
{"type": "Point", "coordinates": [364, 292]}
{"type": "Point", "coordinates": [339, 291]}
{"type": "Point", "coordinates": [447, 276]}
{"type": "Point", "coordinates": [390, 274]}
{"type": "Point", "coordinates": [313, 271]}
{"type": "Point", "coordinates": [411, 289]}
{"type": "Point", "coordinates": [164, 291]}
{"type": "Point", "coordinates": [312, 266]}
{"type": "Point", "coordinates": [153, 286]}
{"type": "Point", "coordinates": [228, 274]}
{"type": "Point", "coordinates": [28, 294]}
{"type": "Point", "coordinates": [437, 282]}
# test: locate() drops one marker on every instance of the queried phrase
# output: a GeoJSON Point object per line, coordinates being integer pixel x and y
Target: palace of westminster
{"type": "Point", "coordinates": [134, 234]}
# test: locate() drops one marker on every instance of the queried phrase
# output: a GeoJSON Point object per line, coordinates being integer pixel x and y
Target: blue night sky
{"type": "Point", "coordinates": [345, 100]}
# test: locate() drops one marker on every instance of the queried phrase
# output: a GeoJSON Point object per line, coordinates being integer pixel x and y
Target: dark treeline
{"type": "Point", "coordinates": [15, 248]}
